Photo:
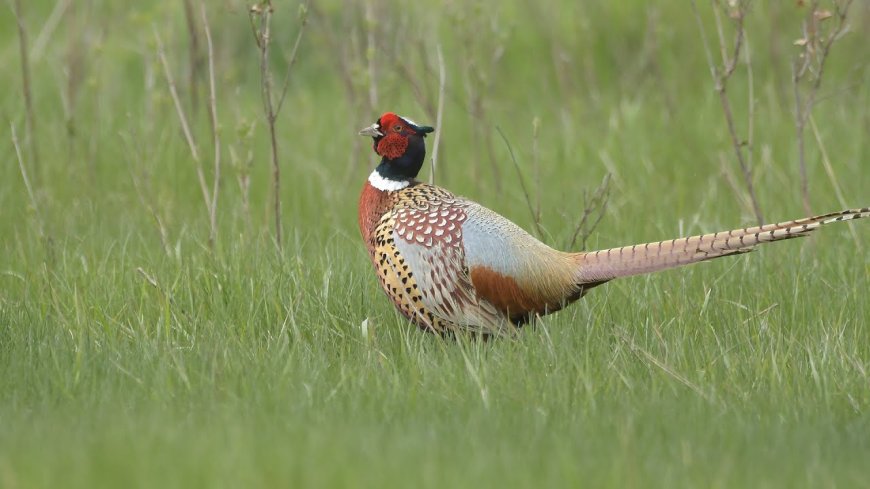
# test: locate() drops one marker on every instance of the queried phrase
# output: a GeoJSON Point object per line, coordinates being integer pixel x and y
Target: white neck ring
{"type": "Point", "coordinates": [385, 184]}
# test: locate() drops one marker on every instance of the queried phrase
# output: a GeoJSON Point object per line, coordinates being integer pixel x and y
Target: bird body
{"type": "Point", "coordinates": [450, 264]}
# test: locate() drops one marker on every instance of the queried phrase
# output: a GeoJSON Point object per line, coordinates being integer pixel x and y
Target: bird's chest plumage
{"type": "Point", "coordinates": [414, 217]}
{"type": "Point", "coordinates": [374, 204]}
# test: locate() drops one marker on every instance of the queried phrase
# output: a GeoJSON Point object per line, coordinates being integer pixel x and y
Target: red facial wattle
{"type": "Point", "coordinates": [392, 145]}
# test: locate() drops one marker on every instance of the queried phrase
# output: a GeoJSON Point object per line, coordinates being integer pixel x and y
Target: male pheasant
{"type": "Point", "coordinates": [450, 264]}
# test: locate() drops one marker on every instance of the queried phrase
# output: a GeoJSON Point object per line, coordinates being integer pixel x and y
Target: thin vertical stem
{"type": "Point", "coordinates": [264, 41]}
{"type": "Point", "coordinates": [442, 80]}
{"type": "Point", "coordinates": [215, 136]}
{"type": "Point", "coordinates": [720, 82]}
{"type": "Point", "coordinates": [26, 88]}
{"type": "Point", "coordinates": [193, 54]}
{"type": "Point", "coordinates": [27, 186]}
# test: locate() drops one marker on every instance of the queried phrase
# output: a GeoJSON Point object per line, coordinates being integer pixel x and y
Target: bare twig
{"type": "Point", "coordinates": [442, 81]}
{"type": "Point", "coordinates": [594, 209]}
{"type": "Point", "coordinates": [810, 63]}
{"type": "Point", "coordinates": [750, 103]}
{"type": "Point", "coordinates": [721, 75]}
{"type": "Point", "coordinates": [538, 230]}
{"type": "Point", "coordinates": [26, 85]}
{"type": "Point", "coordinates": [264, 11]}
{"type": "Point", "coordinates": [261, 24]}
{"type": "Point", "coordinates": [215, 133]}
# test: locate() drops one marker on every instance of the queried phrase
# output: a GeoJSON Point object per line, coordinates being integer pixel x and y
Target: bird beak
{"type": "Point", "coordinates": [372, 131]}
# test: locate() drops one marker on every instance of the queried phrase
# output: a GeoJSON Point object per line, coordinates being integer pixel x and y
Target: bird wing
{"type": "Point", "coordinates": [511, 269]}
{"type": "Point", "coordinates": [429, 238]}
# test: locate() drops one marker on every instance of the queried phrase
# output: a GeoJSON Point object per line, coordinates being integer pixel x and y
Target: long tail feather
{"type": "Point", "coordinates": [651, 257]}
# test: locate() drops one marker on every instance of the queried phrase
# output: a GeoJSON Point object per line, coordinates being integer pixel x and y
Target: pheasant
{"type": "Point", "coordinates": [450, 264]}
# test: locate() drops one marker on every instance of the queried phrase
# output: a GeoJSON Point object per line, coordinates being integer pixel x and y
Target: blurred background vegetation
{"type": "Point", "coordinates": [617, 87]}
{"type": "Point", "coordinates": [136, 350]}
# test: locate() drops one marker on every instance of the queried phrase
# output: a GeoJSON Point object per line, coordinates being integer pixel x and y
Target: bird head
{"type": "Point", "coordinates": [399, 142]}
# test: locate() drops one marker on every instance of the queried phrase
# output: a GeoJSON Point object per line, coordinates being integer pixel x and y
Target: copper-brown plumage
{"type": "Point", "coordinates": [451, 264]}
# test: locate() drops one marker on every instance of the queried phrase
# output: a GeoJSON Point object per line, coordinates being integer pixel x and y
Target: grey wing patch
{"type": "Point", "coordinates": [500, 245]}
{"type": "Point", "coordinates": [493, 242]}
{"type": "Point", "coordinates": [430, 240]}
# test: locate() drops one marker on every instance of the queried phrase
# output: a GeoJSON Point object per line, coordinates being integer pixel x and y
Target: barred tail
{"type": "Point", "coordinates": [603, 265]}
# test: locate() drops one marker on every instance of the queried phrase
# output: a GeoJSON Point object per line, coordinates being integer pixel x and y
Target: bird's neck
{"type": "Point", "coordinates": [397, 173]}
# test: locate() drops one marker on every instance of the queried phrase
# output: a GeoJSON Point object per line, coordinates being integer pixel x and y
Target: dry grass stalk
{"type": "Point", "coordinates": [215, 133]}
{"type": "Point", "coordinates": [48, 28]}
{"type": "Point", "coordinates": [664, 367]}
{"type": "Point", "coordinates": [27, 185]}
{"type": "Point", "coordinates": [209, 197]}
{"type": "Point", "coordinates": [829, 169]}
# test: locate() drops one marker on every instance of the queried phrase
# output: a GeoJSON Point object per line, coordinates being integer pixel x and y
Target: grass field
{"type": "Point", "coordinates": [134, 353]}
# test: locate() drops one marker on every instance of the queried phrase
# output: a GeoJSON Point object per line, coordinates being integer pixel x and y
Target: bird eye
{"type": "Point", "coordinates": [397, 128]}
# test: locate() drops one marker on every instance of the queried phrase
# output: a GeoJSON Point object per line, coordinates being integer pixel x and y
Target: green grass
{"type": "Point", "coordinates": [247, 366]}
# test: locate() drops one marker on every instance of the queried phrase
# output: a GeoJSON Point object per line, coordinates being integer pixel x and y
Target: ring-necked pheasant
{"type": "Point", "coordinates": [451, 264]}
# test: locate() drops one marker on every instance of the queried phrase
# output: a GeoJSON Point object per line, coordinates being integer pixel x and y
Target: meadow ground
{"type": "Point", "coordinates": [136, 353]}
